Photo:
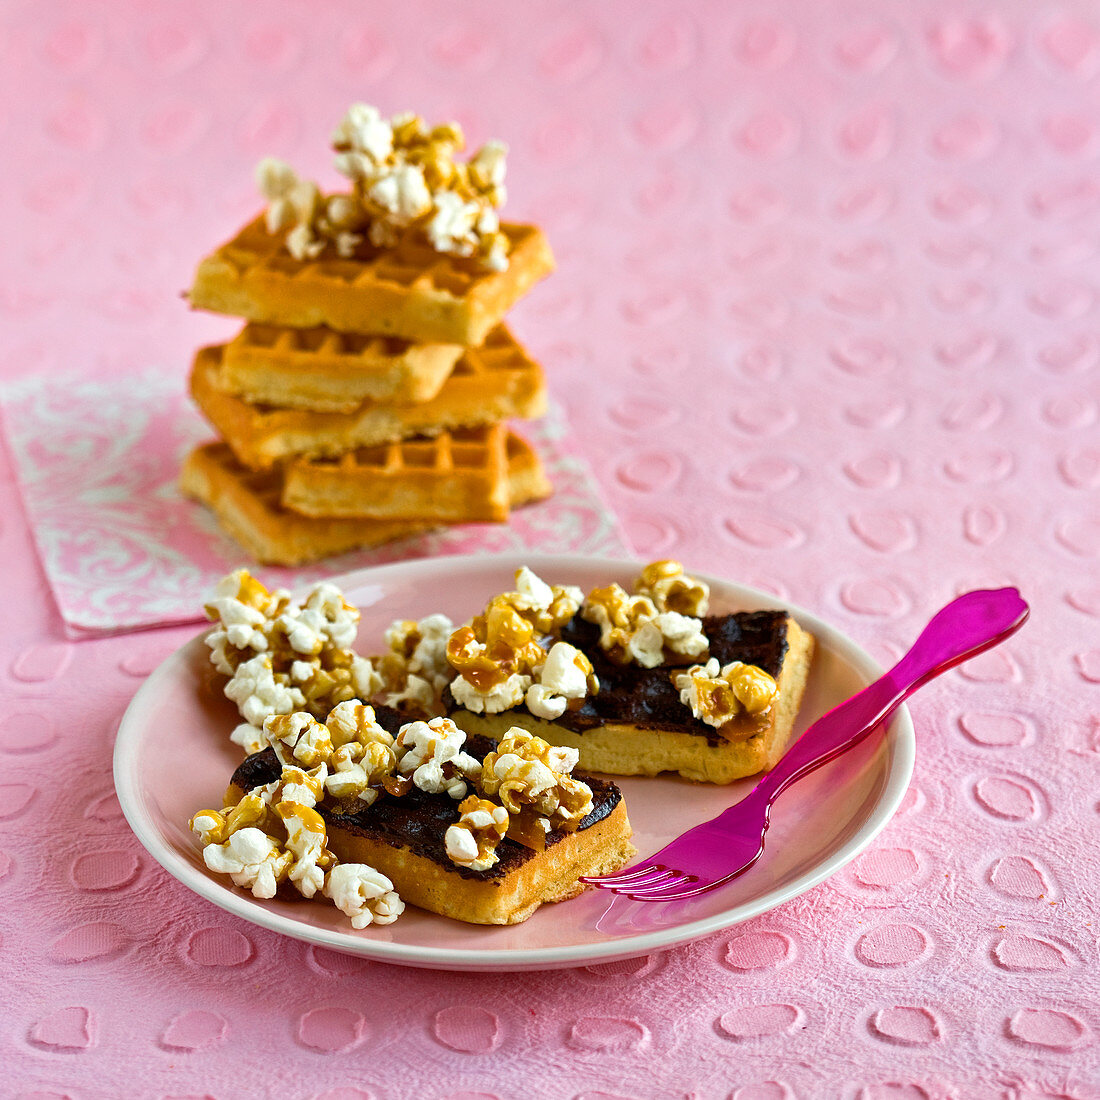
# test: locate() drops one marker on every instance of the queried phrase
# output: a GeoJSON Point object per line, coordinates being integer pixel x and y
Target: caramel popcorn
{"type": "Point", "coordinates": [497, 655]}
{"type": "Point", "coordinates": [666, 584]}
{"type": "Point", "coordinates": [548, 607]}
{"type": "Point", "coordinates": [216, 827]}
{"type": "Point", "coordinates": [716, 695]}
{"type": "Point", "coordinates": [566, 676]}
{"type": "Point", "coordinates": [363, 756]}
{"type": "Point", "coordinates": [405, 179]}
{"type": "Point", "coordinates": [298, 785]}
{"type": "Point", "coordinates": [354, 723]}
{"type": "Point", "coordinates": [305, 841]}
{"type": "Point", "coordinates": [299, 736]}
{"type": "Point", "coordinates": [415, 670]}
{"type": "Point", "coordinates": [431, 753]}
{"type": "Point", "coordinates": [311, 219]}
{"type": "Point", "coordinates": [633, 629]}
{"type": "Point", "coordinates": [252, 859]}
{"type": "Point", "coordinates": [282, 657]}
{"type": "Point", "coordinates": [473, 840]}
{"type": "Point", "coordinates": [525, 771]}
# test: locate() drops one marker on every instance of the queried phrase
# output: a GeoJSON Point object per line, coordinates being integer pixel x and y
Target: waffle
{"type": "Point", "coordinates": [448, 478]}
{"type": "Point", "coordinates": [246, 503]}
{"type": "Point", "coordinates": [329, 371]}
{"type": "Point", "coordinates": [403, 838]}
{"type": "Point", "coordinates": [410, 291]}
{"type": "Point", "coordinates": [489, 383]}
{"type": "Point", "coordinates": [636, 724]}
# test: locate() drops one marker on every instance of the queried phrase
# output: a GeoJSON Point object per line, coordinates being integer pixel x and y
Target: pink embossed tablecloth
{"type": "Point", "coordinates": [825, 322]}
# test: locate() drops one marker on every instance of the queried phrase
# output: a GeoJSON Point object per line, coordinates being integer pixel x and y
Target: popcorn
{"type": "Point", "coordinates": [718, 695]}
{"type": "Point", "coordinates": [473, 840]}
{"type": "Point", "coordinates": [633, 629]}
{"type": "Point", "coordinates": [300, 737]}
{"type": "Point", "coordinates": [305, 841]}
{"type": "Point", "coordinates": [525, 771]}
{"type": "Point", "coordinates": [405, 179]}
{"type": "Point", "coordinates": [364, 131]}
{"type": "Point", "coordinates": [353, 722]}
{"type": "Point", "coordinates": [251, 738]}
{"type": "Point", "coordinates": [214, 827]}
{"type": "Point", "coordinates": [363, 756]}
{"type": "Point", "coordinates": [547, 607]}
{"type": "Point", "coordinates": [364, 894]}
{"type": "Point", "coordinates": [252, 859]}
{"type": "Point", "coordinates": [257, 692]}
{"type": "Point", "coordinates": [283, 657]}
{"type": "Point", "coordinates": [501, 696]}
{"type": "Point", "coordinates": [415, 669]}
{"type": "Point", "coordinates": [566, 675]}
{"type": "Point", "coordinates": [431, 752]}
{"type": "Point", "coordinates": [495, 656]}
{"type": "Point", "coordinates": [298, 785]}
{"type": "Point", "coordinates": [311, 219]}
{"type": "Point", "coordinates": [665, 583]}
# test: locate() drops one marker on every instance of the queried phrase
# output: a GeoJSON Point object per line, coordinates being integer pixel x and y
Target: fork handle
{"type": "Point", "coordinates": [967, 626]}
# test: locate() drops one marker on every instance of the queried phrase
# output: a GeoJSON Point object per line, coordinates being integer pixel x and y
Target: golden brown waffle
{"type": "Point", "coordinates": [490, 383]}
{"type": "Point", "coordinates": [448, 478]}
{"type": "Point", "coordinates": [409, 291]}
{"type": "Point", "coordinates": [246, 503]}
{"type": "Point", "coordinates": [329, 371]}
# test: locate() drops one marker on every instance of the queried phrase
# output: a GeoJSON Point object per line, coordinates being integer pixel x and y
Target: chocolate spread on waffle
{"type": "Point", "coordinates": [418, 820]}
{"type": "Point", "coordinates": [646, 697]}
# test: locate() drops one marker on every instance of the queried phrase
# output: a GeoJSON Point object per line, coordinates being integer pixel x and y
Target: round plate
{"type": "Point", "coordinates": [173, 757]}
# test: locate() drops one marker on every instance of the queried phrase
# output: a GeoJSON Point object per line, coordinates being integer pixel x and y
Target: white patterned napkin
{"type": "Point", "coordinates": [98, 461]}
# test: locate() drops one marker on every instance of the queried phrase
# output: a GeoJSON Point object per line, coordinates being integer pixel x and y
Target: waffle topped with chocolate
{"type": "Point", "coordinates": [417, 821]}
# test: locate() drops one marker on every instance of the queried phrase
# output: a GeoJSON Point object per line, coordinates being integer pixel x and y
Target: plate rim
{"type": "Point", "coordinates": [900, 735]}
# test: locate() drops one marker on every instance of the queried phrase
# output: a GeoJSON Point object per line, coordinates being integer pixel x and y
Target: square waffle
{"type": "Point", "coordinates": [410, 291]}
{"type": "Point", "coordinates": [247, 503]}
{"type": "Point", "coordinates": [329, 371]}
{"type": "Point", "coordinates": [490, 383]}
{"type": "Point", "coordinates": [403, 837]}
{"type": "Point", "coordinates": [636, 725]}
{"type": "Point", "coordinates": [449, 478]}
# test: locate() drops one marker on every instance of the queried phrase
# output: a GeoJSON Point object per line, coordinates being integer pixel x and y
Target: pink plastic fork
{"type": "Point", "coordinates": [719, 850]}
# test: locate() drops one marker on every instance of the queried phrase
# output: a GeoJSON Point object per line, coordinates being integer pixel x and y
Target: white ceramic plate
{"type": "Point", "coordinates": [173, 756]}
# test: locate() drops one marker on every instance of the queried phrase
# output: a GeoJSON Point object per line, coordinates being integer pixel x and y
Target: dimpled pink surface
{"type": "Point", "coordinates": [825, 323]}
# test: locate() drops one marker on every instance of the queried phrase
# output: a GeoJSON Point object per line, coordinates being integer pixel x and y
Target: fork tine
{"type": "Point", "coordinates": [667, 889]}
{"type": "Point", "coordinates": [626, 877]}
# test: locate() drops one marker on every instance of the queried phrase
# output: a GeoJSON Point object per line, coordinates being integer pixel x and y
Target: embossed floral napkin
{"type": "Point", "coordinates": [98, 461]}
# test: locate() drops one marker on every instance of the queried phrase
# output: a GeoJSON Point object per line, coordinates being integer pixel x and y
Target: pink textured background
{"type": "Point", "coordinates": [825, 322]}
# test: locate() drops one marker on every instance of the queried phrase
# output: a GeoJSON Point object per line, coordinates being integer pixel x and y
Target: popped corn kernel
{"type": "Point", "coordinates": [566, 676]}
{"type": "Point", "coordinates": [305, 841]}
{"type": "Point", "coordinates": [472, 841]}
{"type": "Point", "coordinates": [525, 771]}
{"type": "Point", "coordinates": [296, 784]}
{"type": "Point", "coordinates": [252, 859]}
{"type": "Point", "coordinates": [670, 589]}
{"type": "Point", "coordinates": [260, 692]}
{"type": "Point", "coordinates": [364, 894]}
{"type": "Point", "coordinates": [633, 629]}
{"type": "Point", "coordinates": [299, 737]}
{"type": "Point", "coordinates": [217, 826]}
{"type": "Point", "coordinates": [431, 753]}
{"type": "Point", "coordinates": [360, 774]}
{"type": "Point", "coordinates": [716, 695]}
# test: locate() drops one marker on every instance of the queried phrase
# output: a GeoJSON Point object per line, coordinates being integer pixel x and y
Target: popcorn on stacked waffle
{"type": "Point", "coordinates": [367, 395]}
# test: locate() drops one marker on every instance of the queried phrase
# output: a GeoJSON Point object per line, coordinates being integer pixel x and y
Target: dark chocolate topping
{"type": "Point", "coordinates": [418, 820]}
{"type": "Point", "coordinates": [646, 697]}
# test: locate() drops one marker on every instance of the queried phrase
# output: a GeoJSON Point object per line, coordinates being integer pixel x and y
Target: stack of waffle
{"type": "Point", "coordinates": [366, 397]}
